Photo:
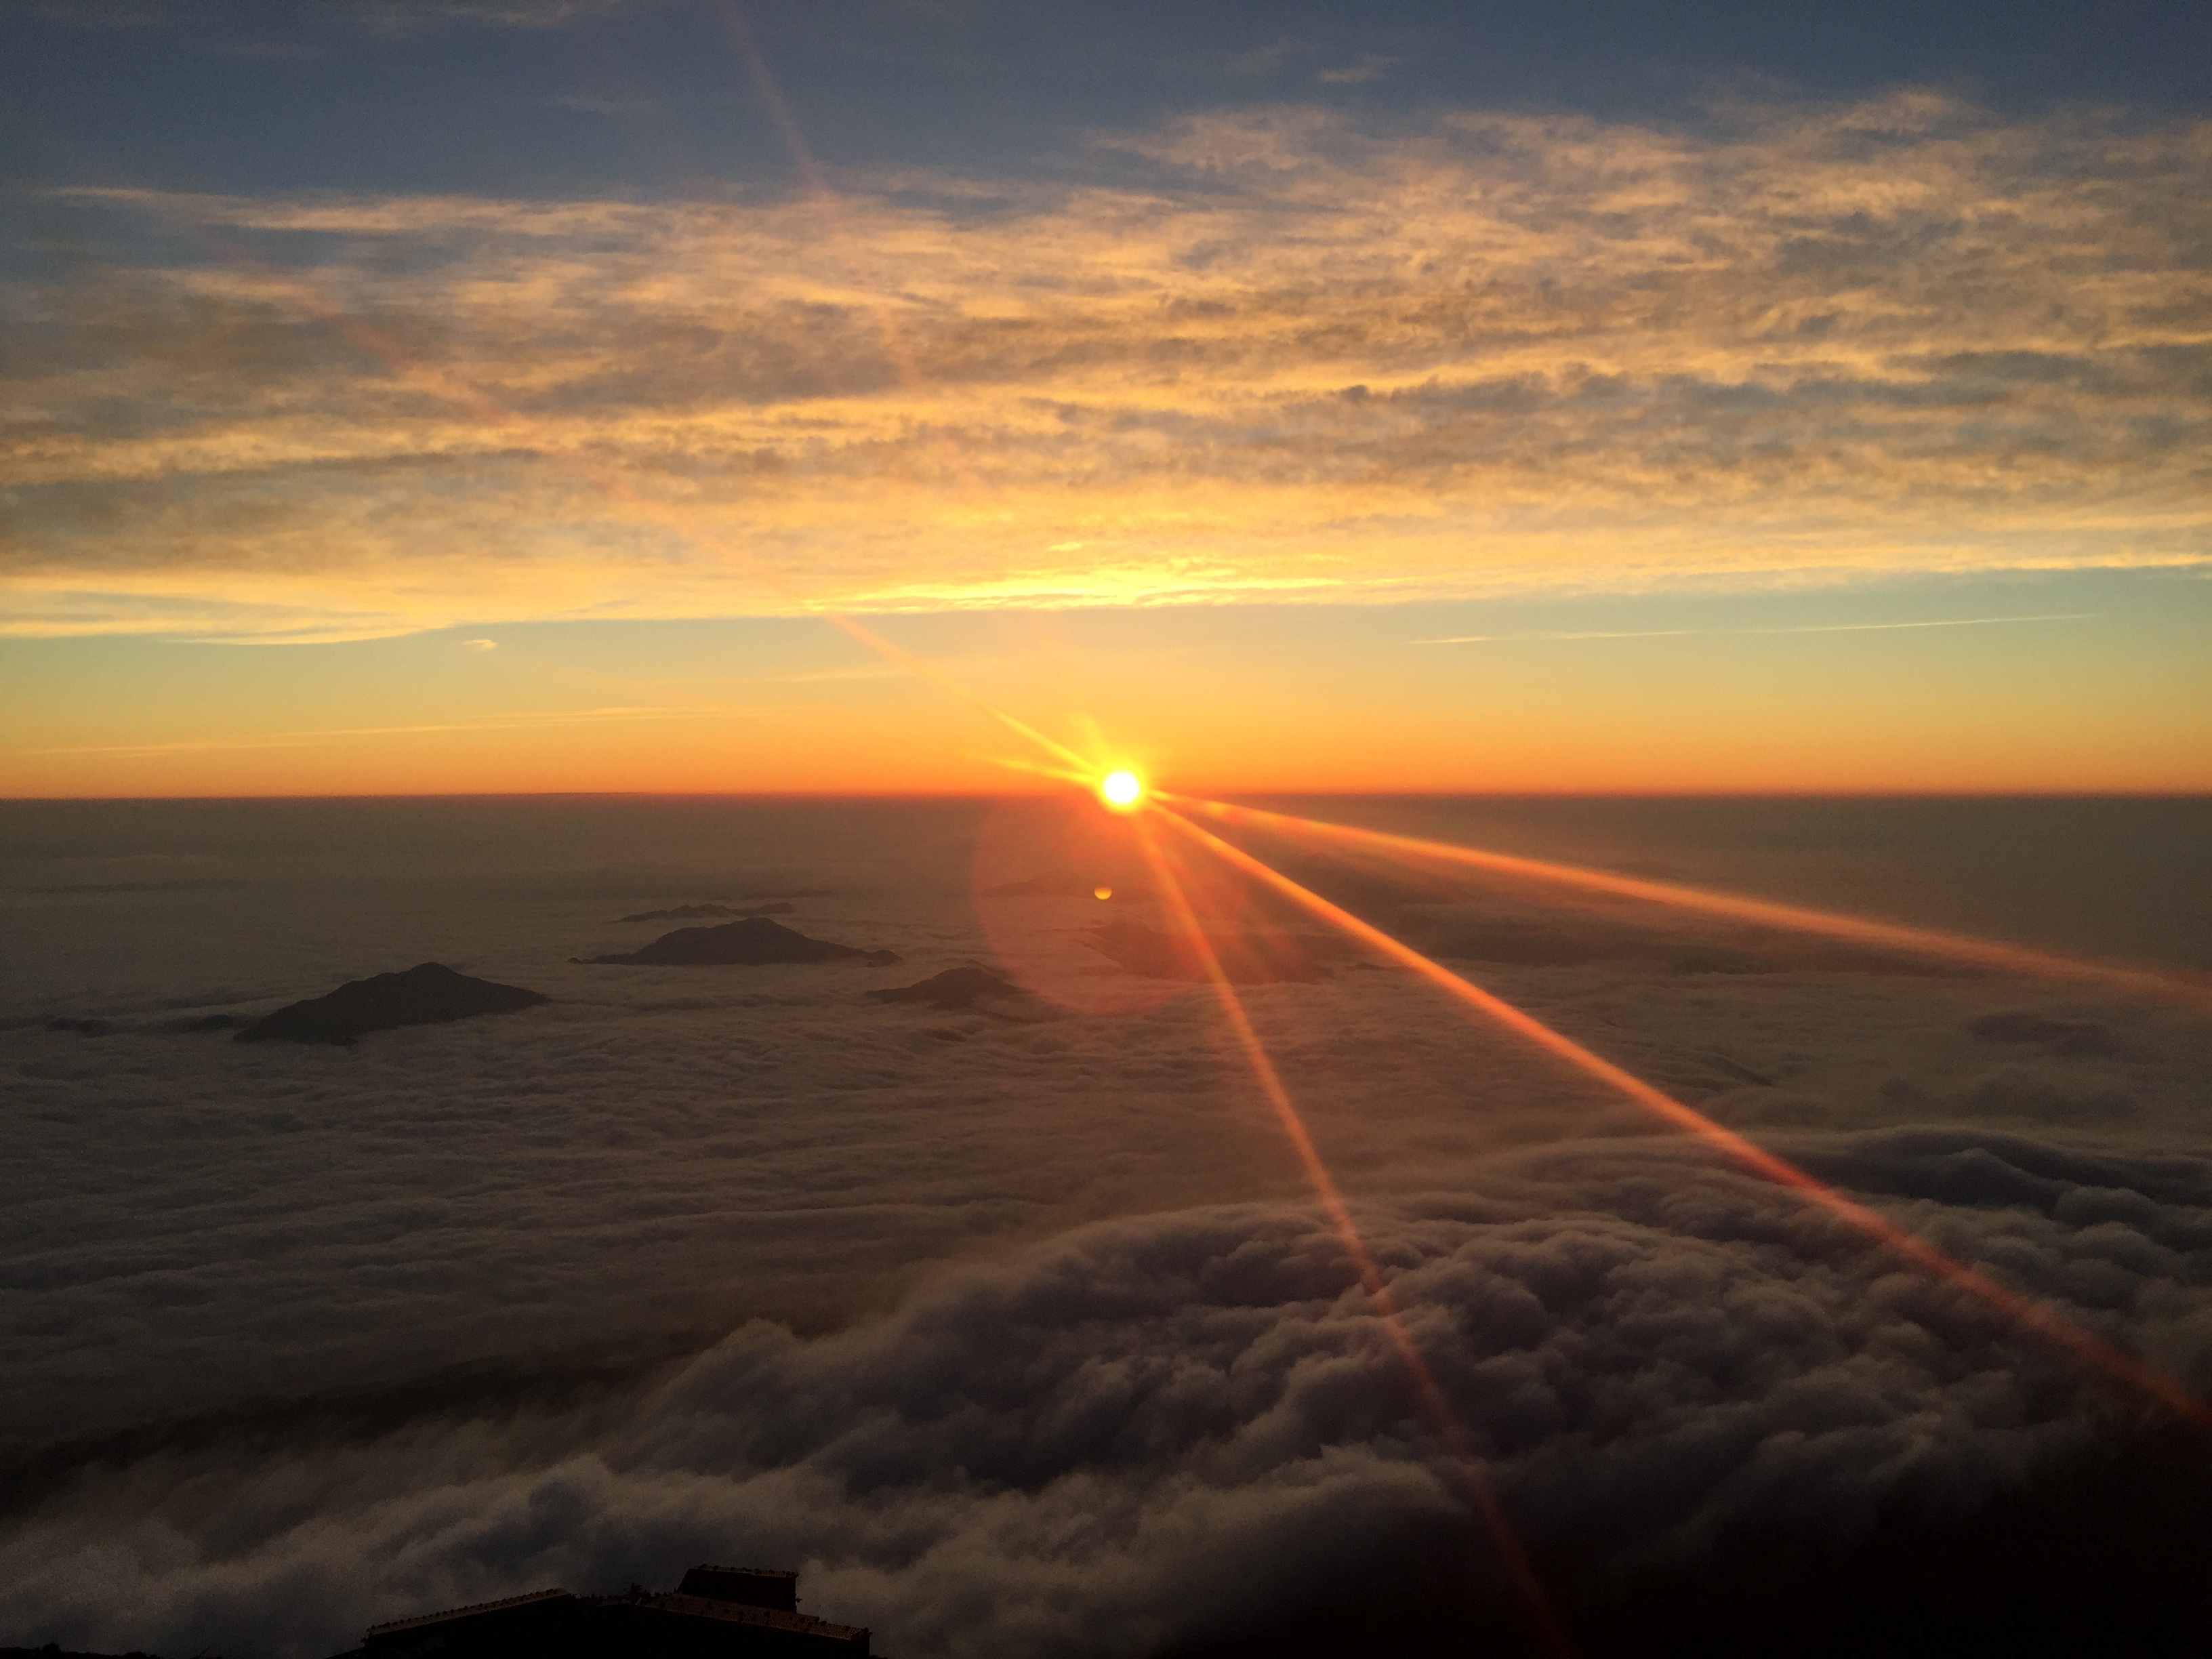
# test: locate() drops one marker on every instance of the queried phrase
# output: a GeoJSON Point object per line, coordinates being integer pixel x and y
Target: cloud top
{"type": "Point", "coordinates": [1151, 1430]}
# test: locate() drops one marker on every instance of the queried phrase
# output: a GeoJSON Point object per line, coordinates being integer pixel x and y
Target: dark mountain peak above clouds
{"type": "Point", "coordinates": [699, 912]}
{"type": "Point", "coordinates": [754, 942]}
{"type": "Point", "coordinates": [429, 993]}
{"type": "Point", "coordinates": [955, 989]}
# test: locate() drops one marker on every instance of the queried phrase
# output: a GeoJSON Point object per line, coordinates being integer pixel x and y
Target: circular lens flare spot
{"type": "Point", "coordinates": [1121, 790]}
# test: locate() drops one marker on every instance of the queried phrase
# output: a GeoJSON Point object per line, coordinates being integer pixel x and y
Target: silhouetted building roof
{"type": "Point", "coordinates": [377, 1633]}
{"type": "Point", "coordinates": [755, 1587]}
{"type": "Point", "coordinates": [693, 1624]}
{"type": "Point", "coordinates": [543, 1622]}
{"type": "Point", "coordinates": [719, 1613]}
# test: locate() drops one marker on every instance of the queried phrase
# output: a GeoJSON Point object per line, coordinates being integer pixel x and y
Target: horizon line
{"type": "Point", "coordinates": [2201, 793]}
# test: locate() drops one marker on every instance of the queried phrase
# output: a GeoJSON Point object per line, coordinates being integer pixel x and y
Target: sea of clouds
{"type": "Point", "coordinates": [1019, 1335]}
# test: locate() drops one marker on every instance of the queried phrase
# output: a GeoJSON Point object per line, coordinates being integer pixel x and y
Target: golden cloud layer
{"type": "Point", "coordinates": [1296, 361]}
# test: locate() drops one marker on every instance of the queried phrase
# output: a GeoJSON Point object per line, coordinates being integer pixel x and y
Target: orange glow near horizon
{"type": "Point", "coordinates": [478, 404]}
{"type": "Point", "coordinates": [1210, 704]}
{"type": "Point", "coordinates": [1434, 1404]}
{"type": "Point", "coordinates": [311, 300]}
{"type": "Point", "coordinates": [2024, 1310]}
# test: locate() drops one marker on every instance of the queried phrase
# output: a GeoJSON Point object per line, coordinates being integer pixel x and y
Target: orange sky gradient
{"type": "Point", "coordinates": [2118, 696]}
{"type": "Point", "coordinates": [1648, 418]}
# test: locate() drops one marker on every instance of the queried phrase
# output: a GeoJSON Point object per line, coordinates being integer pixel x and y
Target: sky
{"type": "Point", "coordinates": [428, 397]}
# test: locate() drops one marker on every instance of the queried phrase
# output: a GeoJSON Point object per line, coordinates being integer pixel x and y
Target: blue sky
{"type": "Point", "coordinates": [554, 97]}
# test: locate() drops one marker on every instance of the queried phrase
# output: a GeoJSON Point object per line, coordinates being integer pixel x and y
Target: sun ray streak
{"type": "Point", "coordinates": [1081, 780]}
{"type": "Point", "coordinates": [2023, 1309]}
{"type": "Point", "coordinates": [1923, 941]}
{"type": "Point", "coordinates": [841, 238]}
{"type": "Point", "coordinates": [1434, 1404]}
{"type": "Point", "coordinates": [309, 299]}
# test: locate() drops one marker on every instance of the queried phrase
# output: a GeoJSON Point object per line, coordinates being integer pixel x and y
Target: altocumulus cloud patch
{"type": "Point", "coordinates": [1291, 357]}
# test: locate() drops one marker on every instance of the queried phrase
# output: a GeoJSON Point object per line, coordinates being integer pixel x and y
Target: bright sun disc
{"type": "Point", "coordinates": [1121, 789]}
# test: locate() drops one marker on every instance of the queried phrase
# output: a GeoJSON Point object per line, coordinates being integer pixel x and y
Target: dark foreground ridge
{"type": "Point", "coordinates": [2099, 1557]}
{"type": "Point", "coordinates": [430, 994]}
{"type": "Point", "coordinates": [754, 942]}
{"type": "Point", "coordinates": [716, 1612]}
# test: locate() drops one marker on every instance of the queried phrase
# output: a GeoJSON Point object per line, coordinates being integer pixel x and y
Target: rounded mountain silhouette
{"type": "Point", "coordinates": [956, 988]}
{"type": "Point", "coordinates": [754, 942]}
{"type": "Point", "coordinates": [430, 994]}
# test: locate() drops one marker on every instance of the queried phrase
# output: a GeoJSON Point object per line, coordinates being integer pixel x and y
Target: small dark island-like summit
{"type": "Point", "coordinates": [429, 993]}
{"type": "Point", "coordinates": [752, 942]}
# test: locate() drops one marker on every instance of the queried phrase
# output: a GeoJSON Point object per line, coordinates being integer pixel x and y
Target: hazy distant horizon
{"type": "Point", "coordinates": [1063, 791]}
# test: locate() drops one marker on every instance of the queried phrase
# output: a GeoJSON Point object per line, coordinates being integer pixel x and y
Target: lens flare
{"type": "Point", "coordinates": [1121, 789]}
{"type": "Point", "coordinates": [2022, 1310]}
{"type": "Point", "coordinates": [1434, 1404]}
{"type": "Point", "coordinates": [1315, 834]}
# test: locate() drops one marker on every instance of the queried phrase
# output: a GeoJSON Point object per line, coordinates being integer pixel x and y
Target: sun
{"type": "Point", "coordinates": [1123, 790]}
